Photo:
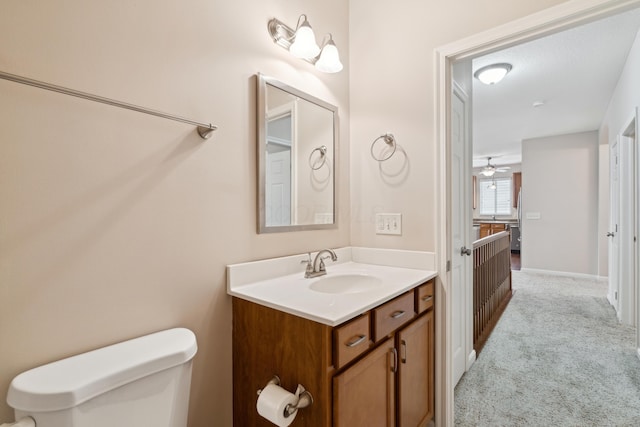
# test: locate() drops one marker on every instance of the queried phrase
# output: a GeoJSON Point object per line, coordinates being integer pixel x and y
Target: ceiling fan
{"type": "Point", "coordinates": [490, 169]}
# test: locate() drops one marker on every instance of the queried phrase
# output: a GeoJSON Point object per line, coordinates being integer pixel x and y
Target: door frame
{"type": "Point", "coordinates": [552, 20]}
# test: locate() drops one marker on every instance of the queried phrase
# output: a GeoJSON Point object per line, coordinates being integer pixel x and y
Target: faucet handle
{"type": "Point", "coordinates": [309, 263]}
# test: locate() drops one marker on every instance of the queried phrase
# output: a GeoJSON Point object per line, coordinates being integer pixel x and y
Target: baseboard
{"type": "Point", "coordinates": [611, 300]}
{"type": "Point", "coordinates": [562, 273]}
{"type": "Point", "coordinates": [471, 359]}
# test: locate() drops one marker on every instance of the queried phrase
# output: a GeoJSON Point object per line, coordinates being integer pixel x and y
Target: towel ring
{"type": "Point", "coordinates": [388, 139]}
{"type": "Point", "coordinates": [323, 155]}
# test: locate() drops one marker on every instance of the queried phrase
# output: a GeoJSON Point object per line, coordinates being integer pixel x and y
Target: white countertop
{"type": "Point", "coordinates": [291, 293]}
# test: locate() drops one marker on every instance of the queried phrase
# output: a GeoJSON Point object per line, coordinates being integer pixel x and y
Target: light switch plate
{"type": "Point", "coordinates": [389, 223]}
{"type": "Point", "coordinates": [533, 215]}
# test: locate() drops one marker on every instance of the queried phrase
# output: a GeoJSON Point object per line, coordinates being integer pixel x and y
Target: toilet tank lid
{"type": "Point", "coordinates": [71, 381]}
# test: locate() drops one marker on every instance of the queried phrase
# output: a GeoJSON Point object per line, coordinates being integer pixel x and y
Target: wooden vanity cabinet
{"type": "Point", "coordinates": [374, 370]}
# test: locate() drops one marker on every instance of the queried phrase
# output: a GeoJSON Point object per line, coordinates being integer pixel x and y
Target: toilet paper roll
{"type": "Point", "coordinates": [272, 402]}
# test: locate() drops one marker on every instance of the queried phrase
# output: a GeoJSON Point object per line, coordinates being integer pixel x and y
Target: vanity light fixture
{"type": "Point", "coordinates": [492, 74]}
{"type": "Point", "coordinates": [301, 42]}
{"type": "Point", "coordinates": [329, 60]}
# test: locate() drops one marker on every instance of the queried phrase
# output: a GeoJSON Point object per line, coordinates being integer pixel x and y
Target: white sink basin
{"type": "Point", "coordinates": [346, 284]}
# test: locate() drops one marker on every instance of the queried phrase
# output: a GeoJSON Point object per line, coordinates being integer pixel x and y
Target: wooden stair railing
{"type": "Point", "coordinates": [491, 284]}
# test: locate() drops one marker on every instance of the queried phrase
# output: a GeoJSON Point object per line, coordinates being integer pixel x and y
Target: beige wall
{"type": "Point", "coordinates": [114, 224]}
{"type": "Point", "coordinates": [392, 90]}
{"type": "Point", "coordinates": [560, 182]}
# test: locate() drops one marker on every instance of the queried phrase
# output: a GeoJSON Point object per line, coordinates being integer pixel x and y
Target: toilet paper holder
{"type": "Point", "coordinates": [304, 397]}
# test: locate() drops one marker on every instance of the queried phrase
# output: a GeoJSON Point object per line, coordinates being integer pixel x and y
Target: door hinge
{"type": "Point", "coordinates": [615, 295]}
{"type": "Point", "coordinates": [448, 265]}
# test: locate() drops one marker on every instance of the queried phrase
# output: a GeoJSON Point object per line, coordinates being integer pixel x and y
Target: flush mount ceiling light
{"type": "Point", "coordinates": [301, 42]}
{"type": "Point", "coordinates": [492, 74]}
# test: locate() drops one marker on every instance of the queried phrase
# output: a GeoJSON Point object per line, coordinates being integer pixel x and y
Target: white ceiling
{"type": "Point", "coordinates": [573, 72]}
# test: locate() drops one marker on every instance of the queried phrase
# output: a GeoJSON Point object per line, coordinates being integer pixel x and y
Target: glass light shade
{"type": "Point", "coordinates": [493, 186]}
{"type": "Point", "coordinates": [488, 172]}
{"type": "Point", "coordinates": [304, 46]}
{"type": "Point", "coordinates": [329, 61]}
{"type": "Point", "coordinates": [492, 74]}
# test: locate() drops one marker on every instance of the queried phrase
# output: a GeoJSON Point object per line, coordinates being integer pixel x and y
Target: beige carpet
{"type": "Point", "coordinates": [558, 357]}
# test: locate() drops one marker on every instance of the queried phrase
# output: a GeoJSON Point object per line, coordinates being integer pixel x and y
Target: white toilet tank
{"type": "Point", "coordinates": [137, 383]}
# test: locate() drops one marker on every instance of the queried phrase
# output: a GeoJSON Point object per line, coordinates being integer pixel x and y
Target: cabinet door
{"type": "Point", "coordinates": [364, 394]}
{"type": "Point", "coordinates": [416, 373]}
{"type": "Point", "coordinates": [496, 228]}
{"type": "Point", "coordinates": [485, 230]}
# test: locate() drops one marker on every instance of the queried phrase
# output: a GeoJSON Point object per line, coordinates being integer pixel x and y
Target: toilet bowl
{"type": "Point", "coordinates": [141, 382]}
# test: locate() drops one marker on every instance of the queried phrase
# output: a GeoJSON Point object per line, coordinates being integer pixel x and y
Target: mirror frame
{"type": "Point", "coordinates": [262, 82]}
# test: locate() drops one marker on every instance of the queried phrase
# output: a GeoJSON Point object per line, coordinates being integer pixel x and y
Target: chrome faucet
{"type": "Point", "coordinates": [317, 267]}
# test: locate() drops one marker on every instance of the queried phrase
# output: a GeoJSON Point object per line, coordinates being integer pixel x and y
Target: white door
{"type": "Point", "coordinates": [461, 219]}
{"type": "Point", "coordinates": [614, 221]}
{"type": "Point", "coordinates": [634, 134]}
{"type": "Point", "coordinates": [278, 185]}
{"type": "Point", "coordinates": [628, 254]}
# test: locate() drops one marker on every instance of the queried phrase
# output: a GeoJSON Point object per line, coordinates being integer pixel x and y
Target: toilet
{"type": "Point", "coordinates": [141, 382]}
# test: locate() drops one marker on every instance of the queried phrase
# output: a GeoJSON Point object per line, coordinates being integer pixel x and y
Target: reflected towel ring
{"type": "Point", "coordinates": [388, 139]}
{"type": "Point", "coordinates": [323, 157]}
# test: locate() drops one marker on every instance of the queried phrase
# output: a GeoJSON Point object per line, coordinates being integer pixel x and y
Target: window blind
{"type": "Point", "coordinates": [495, 201]}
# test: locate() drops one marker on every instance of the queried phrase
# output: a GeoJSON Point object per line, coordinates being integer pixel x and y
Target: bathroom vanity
{"type": "Point", "coordinates": [362, 343]}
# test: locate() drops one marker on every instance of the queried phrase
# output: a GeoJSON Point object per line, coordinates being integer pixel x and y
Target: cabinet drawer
{"type": "Point", "coordinates": [424, 297]}
{"type": "Point", "coordinates": [351, 340]}
{"type": "Point", "coordinates": [392, 315]}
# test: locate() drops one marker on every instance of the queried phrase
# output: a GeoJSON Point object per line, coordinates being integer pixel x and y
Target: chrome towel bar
{"type": "Point", "coordinates": [204, 129]}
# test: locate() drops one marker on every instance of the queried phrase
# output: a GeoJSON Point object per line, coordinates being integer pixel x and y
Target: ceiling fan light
{"type": "Point", "coordinates": [492, 74]}
{"type": "Point", "coordinates": [488, 172]}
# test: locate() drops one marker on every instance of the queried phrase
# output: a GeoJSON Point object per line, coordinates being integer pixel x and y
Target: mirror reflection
{"type": "Point", "coordinates": [296, 154]}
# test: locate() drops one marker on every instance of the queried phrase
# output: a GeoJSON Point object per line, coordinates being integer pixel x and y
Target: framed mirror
{"type": "Point", "coordinates": [297, 140]}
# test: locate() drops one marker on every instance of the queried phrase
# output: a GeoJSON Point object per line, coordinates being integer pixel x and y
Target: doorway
{"type": "Point", "coordinates": [535, 26]}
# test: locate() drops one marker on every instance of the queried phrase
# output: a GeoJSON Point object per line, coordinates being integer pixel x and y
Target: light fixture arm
{"type": "Point", "coordinates": [300, 23]}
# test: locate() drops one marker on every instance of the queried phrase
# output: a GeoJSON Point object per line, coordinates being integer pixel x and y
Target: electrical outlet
{"type": "Point", "coordinates": [389, 223]}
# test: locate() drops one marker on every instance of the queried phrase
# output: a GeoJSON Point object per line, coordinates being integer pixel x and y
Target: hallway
{"type": "Point", "coordinates": [515, 261]}
{"type": "Point", "coordinates": [558, 356]}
